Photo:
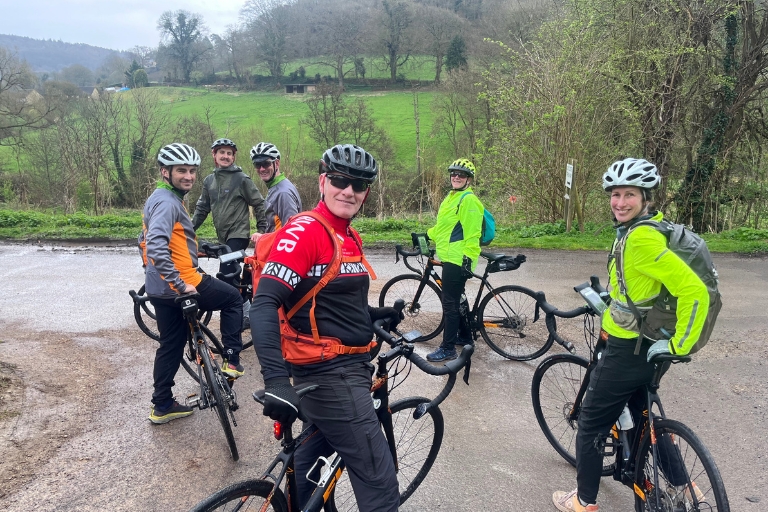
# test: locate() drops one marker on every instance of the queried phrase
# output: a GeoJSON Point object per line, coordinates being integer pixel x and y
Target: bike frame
{"type": "Point", "coordinates": [202, 355]}
{"type": "Point", "coordinates": [334, 467]}
{"type": "Point", "coordinates": [429, 273]}
{"type": "Point", "coordinates": [619, 438]}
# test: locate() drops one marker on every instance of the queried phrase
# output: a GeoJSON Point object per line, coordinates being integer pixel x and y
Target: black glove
{"type": "Point", "coordinates": [281, 403]}
{"type": "Point", "coordinates": [466, 268]}
{"type": "Point", "coordinates": [391, 314]}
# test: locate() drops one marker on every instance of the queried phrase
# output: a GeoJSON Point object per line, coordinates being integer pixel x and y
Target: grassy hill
{"type": "Point", "coordinates": [276, 116]}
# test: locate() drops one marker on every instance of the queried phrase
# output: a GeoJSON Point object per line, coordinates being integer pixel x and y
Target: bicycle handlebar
{"type": "Point", "coordinates": [213, 250]}
{"type": "Point", "coordinates": [402, 348]}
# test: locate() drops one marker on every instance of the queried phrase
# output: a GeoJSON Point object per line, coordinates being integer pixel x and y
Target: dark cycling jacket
{"type": "Point", "coordinates": [227, 193]}
{"type": "Point", "coordinates": [168, 245]}
{"type": "Point", "coordinates": [299, 255]}
{"type": "Point", "coordinates": [282, 202]}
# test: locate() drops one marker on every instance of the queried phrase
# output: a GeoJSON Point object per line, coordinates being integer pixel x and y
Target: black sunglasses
{"type": "Point", "coordinates": [263, 165]}
{"type": "Point", "coordinates": [342, 182]}
{"type": "Point", "coordinates": [460, 174]}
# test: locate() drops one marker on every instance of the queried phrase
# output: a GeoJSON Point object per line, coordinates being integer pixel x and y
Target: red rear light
{"type": "Point", "coordinates": [277, 429]}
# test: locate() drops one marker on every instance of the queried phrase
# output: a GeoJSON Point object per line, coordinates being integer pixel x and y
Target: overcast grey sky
{"type": "Point", "coordinates": [115, 24]}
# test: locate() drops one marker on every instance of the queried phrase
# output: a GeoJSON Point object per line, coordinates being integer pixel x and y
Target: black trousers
{"type": "Point", "coordinates": [214, 295]}
{"type": "Point", "coordinates": [455, 325]}
{"type": "Point", "coordinates": [342, 409]}
{"type": "Point", "coordinates": [618, 378]}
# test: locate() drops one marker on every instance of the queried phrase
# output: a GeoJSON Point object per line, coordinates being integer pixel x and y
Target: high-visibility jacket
{"type": "Point", "coordinates": [457, 231]}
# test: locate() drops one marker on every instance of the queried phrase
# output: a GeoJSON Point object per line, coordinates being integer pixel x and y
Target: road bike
{"type": "Point", "coordinates": [144, 313]}
{"type": "Point", "coordinates": [413, 427]}
{"type": "Point", "coordinates": [215, 387]}
{"type": "Point", "coordinates": [507, 317]}
{"type": "Point", "coordinates": [662, 460]}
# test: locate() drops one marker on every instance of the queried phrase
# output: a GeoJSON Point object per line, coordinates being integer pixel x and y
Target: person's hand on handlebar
{"type": "Point", "coordinates": [281, 403]}
{"type": "Point", "coordinates": [466, 268]}
{"type": "Point", "coordinates": [391, 315]}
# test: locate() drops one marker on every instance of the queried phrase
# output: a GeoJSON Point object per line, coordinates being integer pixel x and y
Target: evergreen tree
{"type": "Point", "coordinates": [456, 57]}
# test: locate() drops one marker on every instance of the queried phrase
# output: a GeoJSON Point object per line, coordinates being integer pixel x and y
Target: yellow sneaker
{"type": "Point", "coordinates": [232, 370]}
{"type": "Point", "coordinates": [569, 502]}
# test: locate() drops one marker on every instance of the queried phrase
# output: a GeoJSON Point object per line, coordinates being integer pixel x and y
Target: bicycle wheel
{"type": "Point", "coordinates": [423, 313]}
{"type": "Point", "coordinates": [215, 381]}
{"type": "Point", "coordinates": [506, 322]}
{"type": "Point", "coordinates": [556, 383]}
{"type": "Point", "coordinates": [145, 317]}
{"type": "Point", "coordinates": [688, 476]}
{"type": "Point", "coordinates": [249, 495]}
{"type": "Point", "coordinates": [417, 442]}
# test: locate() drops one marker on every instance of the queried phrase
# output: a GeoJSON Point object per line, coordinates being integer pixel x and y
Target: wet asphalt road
{"type": "Point", "coordinates": [494, 456]}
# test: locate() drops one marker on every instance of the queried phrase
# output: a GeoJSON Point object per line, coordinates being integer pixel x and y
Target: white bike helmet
{"type": "Point", "coordinates": [263, 151]}
{"type": "Point", "coordinates": [631, 172]}
{"type": "Point", "coordinates": [178, 154]}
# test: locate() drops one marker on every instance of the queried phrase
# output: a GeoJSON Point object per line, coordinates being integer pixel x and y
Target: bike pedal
{"type": "Point", "coordinates": [193, 400]}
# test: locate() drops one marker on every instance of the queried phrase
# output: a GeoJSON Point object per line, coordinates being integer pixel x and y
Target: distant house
{"type": "Point", "coordinates": [33, 97]}
{"type": "Point", "coordinates": [299, 88]}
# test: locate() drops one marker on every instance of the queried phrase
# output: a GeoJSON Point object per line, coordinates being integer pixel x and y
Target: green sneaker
{"type": "Point", "coordinates": [160, 416]}
{"type": "Point", "coordinates": [232, 370]}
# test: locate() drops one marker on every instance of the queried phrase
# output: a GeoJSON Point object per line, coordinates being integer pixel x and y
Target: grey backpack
{"type": "Point", "coordinates": [659, 321]}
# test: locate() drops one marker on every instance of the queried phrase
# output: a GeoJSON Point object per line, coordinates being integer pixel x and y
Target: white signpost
{"type": "Point", "coordinates": [568, 184]}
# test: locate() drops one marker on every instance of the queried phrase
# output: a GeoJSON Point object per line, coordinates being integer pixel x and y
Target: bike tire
{"type": "Point", "coordinates": [146, 319]}
{"type": "Point", "coordinates": [700, 468]}
{"type": "Point", "coordinates": [418, 443]}
{"type": "Point", "coordinates": [217, 402]}
{"type": "Point", "coordinates": [506, 320]}
{"type": "Point", "coordinates": [246, 495]}
{"type": "Point", "coordinates": [424, 314]}
{"type": "Point", "coordinates": [188, 359]}
{"type": "Point", "coordinates": [556, 383]}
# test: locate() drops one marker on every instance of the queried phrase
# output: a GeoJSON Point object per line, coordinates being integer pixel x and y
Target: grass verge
{"type": "Point", "coordinates": [54, 226]}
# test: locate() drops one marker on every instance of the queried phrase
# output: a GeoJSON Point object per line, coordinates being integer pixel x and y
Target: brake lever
{"type": "Point", "coordinates": [466, 371]}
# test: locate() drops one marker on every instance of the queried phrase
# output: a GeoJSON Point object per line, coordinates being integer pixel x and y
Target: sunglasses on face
{"type": "Point", "coordinates": [263, 165]}
{"type": "Point", "coordinates": [342, 182]}
{"type": "Point", "coordinates": [459, 174]}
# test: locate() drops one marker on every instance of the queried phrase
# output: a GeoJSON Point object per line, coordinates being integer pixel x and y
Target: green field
{"type": "Point", "coordinates": [276, 116]}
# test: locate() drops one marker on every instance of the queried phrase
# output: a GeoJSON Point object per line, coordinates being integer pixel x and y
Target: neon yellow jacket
{"type": "Point", "coordinates": [648, 264]}
{"type": "Point", "coordinates": [457, 234]}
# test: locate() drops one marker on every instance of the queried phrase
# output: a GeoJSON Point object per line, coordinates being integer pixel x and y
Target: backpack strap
{"type": "Point", "coordinates": [330, 273]}
{"type": "Point", "coordinates": [623, 283]}
{"type": "Point", "coordinates": [460, 200]}
{"type": "Point", "coordinates": [364, 260]}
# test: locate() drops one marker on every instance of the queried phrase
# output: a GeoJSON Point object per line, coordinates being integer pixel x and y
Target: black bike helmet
{"type": "Point", "coordinates": [350, 160]}
{"type": "Point", "coordinates": [223, 142]}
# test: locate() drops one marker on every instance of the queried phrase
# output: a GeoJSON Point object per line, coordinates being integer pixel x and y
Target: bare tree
{"type": "Point", "coordinates": [268, 24]}
{"type": "Point", "coordinates": [144, 55]}
{"type": "Point", "coordinates": [340, 37]}
{"type": "Point", "coordinates": [437, 28]}
{"type": "Point", "coordinates": [231, 48]}
{"type": "Point", "coordinates": [184, 36]}
{"type": "Point", "coordinates": [20, 110]}
{"type": "Point", "coordinates": [326, 111]}
{"type": "Point", "coordinates": [395, 36]}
